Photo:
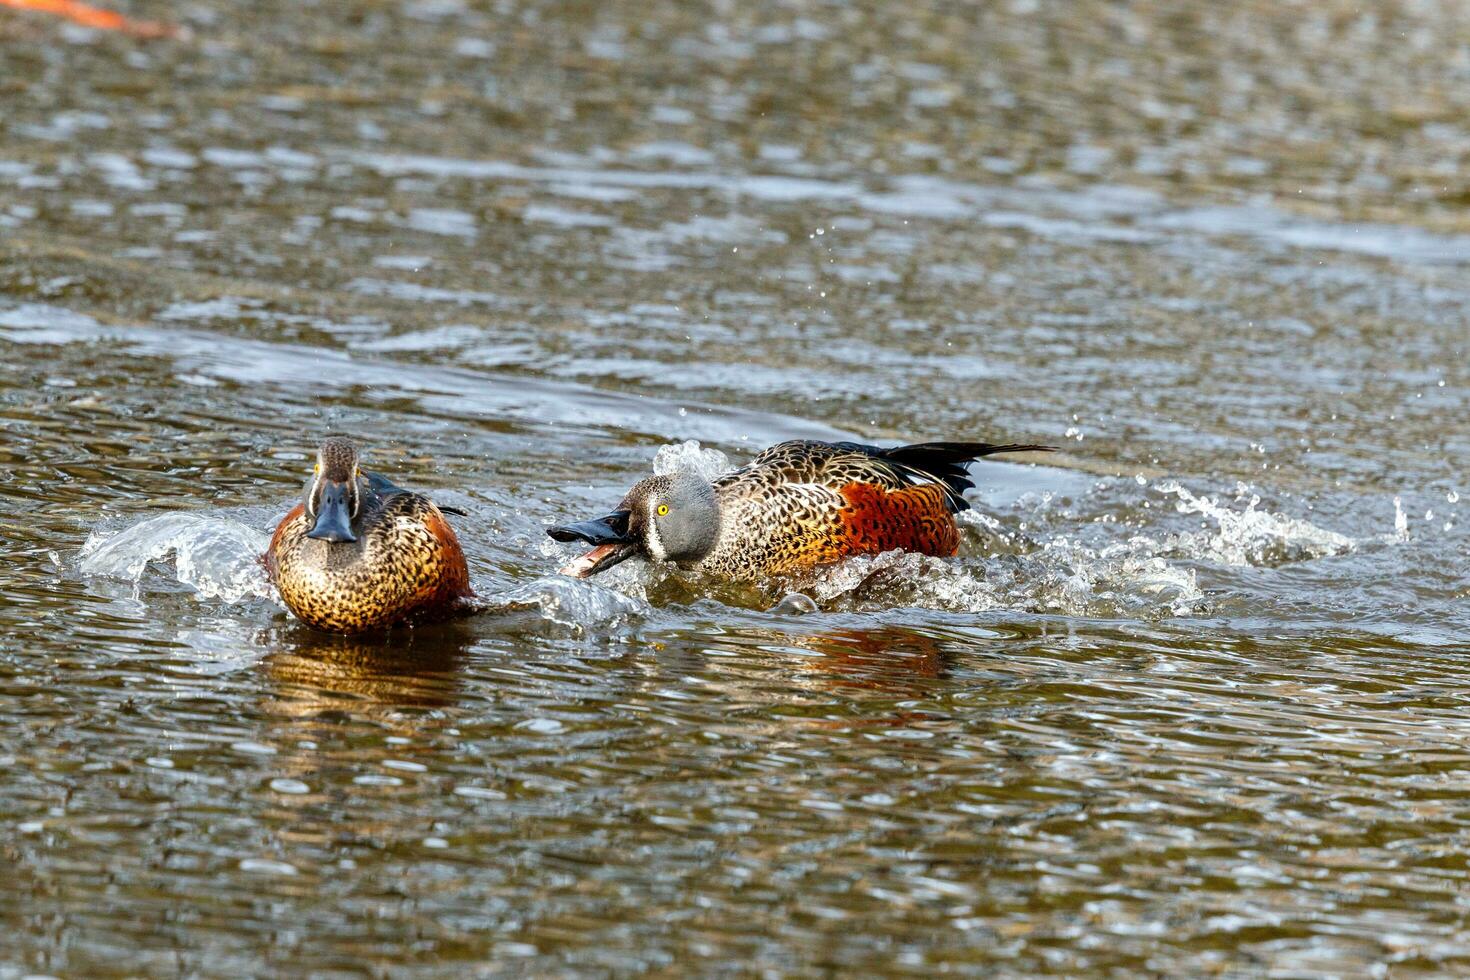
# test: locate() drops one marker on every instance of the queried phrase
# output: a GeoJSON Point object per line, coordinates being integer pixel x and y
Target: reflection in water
{"type": "Point", "coordinates": [891, 660]}
{"type": "Point", "coordinates": [351, 718]}
{"type": "Point", "coordinates": [322, 677]}
{"type": "Point", "coordinates": [88, 15]}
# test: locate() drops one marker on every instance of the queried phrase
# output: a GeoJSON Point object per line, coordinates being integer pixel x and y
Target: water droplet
{"type": "Point", "coordinates": [795, 604]}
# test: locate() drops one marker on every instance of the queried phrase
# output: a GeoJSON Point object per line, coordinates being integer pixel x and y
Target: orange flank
{"type": "Point", "coordinates": [456, 581]}
{"type": "Point", "coordinates": [915, 518]}
{"type": "Point", "coordinates": [90, 16]}
{"type": "Point", "coordinates": [270, 553]}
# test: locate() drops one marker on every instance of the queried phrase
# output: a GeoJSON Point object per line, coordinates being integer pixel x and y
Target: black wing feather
{"type": "Point", "coordinates": [945, 462]}
{"type": "Point", "coordinates": [384, 489]}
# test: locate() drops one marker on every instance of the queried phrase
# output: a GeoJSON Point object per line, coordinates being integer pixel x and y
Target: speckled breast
{"type": "Point", "coordinates": [406, 565]}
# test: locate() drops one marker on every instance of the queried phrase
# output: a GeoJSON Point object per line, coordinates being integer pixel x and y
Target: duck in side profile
{"type": "Point", "coordinates": [360, 554]}
{"type": "Point", "coordinates": [796, 506]}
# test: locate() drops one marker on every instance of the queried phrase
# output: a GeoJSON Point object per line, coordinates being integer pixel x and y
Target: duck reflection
{"type": "Point", "coordinates": [359, 724]}
{"type": "Point", "coordinates": [378, 678]}
{"type": "Point", "coordinates": [887, 660]}
{"type": "Point", "coordinates": [882, 661]}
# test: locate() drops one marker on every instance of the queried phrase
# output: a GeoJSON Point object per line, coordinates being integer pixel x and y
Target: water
{"type": "Point", "coordinates": [1191, 699]}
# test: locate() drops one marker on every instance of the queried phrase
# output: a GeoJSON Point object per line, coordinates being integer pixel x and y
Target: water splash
{"type": "Point", "coordinates": [573, 604]}
{"type": "Point", "coordinates": [1081, 568]}
{"type": "Point", "coordinates": [1078, 581]}
{"type": "Point", "coordinates": [215, 556]}
{"type": "Point", "coordinates": [1249, 536]}
{"type": "Point", "coordinates": [691, 457]}
{"type": "Point", "coordinates": [906, 578]}
{"type": "Point", "coordinates": [1063, 577]}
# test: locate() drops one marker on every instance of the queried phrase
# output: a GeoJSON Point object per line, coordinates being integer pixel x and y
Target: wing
{"type": "Point", "coordinates": [838, 464]}
{"type": "Point", "coordinates": [807, 461]}
{"type": "Point", "coordinates": [384, 489]}
{"type": "Point", "coordinates": [380, 484]}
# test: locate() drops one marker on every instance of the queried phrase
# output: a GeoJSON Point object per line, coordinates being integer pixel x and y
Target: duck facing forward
{"type": "Point", "coordinates": [797, 506]}
{"type": "Point", "coordinates": [360, 554]}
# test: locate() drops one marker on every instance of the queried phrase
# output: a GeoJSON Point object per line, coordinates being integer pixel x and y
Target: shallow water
{"type": "Point", "coordinates": [1192, 698]}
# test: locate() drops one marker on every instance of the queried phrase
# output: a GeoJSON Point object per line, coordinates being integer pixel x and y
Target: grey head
{"type": "Point", "coordinates": [333, 498]}
{"type": "Point", "coordinates": [674, 517]}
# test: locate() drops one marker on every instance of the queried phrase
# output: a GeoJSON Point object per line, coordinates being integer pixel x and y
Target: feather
{"type": "Point", "coordinates": [945, 462]}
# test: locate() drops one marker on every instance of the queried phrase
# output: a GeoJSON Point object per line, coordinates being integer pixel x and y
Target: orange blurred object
{"type": "Point", "coordinates": [90, 16]}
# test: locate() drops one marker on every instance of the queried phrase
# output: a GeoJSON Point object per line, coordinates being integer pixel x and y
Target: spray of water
{"type": "Point", "coordinates": [216, 556]}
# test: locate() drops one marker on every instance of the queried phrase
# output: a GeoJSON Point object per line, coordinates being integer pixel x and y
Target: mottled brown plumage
{"type": "Point", "coordinates": [796, 506]}
{"type": "Point", "coordinates": [360, 554]}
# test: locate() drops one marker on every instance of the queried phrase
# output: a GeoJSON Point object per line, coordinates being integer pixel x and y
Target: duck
{"type": "Point", "coordinates": [796, 507]}
{"type": "Point", "coordinates": [359, 554]}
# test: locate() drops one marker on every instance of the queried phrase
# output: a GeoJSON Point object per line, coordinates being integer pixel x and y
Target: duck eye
{"type": "Point", "coordinates": [317, 468]}
{"type": "Point", "coordinates": [663, 509]}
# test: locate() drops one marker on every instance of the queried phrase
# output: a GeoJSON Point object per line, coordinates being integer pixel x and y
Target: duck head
{"type": "Point", "coordinates": [675, 517]}
{"type": "Point", "coordinates": [333, 497]}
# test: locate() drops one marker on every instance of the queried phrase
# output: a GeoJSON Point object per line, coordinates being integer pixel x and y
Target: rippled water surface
{"type": "Point", "coordinates": [1192, 699]}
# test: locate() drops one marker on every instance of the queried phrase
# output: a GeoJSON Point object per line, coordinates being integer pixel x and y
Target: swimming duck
{"type": "Point", "coordinates": [360, 554]}
{"type": "Point", "coordinates": [796, 506]}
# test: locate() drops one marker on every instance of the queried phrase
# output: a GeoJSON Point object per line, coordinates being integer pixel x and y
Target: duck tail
{"type": "Point", "coordinates": [947, 462]}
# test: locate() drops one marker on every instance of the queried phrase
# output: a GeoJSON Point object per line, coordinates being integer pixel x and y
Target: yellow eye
{"type": "Point", "coordinates": [663, 509]}
{"type": "Point", "coordinates": [317, 468]}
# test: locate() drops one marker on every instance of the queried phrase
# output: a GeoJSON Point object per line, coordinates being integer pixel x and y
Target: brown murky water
{"type": "Point", "coordinates": [1192, 700]}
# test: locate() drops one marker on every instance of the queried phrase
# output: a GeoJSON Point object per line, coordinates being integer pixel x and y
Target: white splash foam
{"type": "Point", "coordinates": [216, 556]}
{"type": "Point", "coordinates": [1250, 536]}
{"type": "Point", "coordinates": [690, 456]}
{"type": "Point", "coordinates": [919, 580]}
{"type": "Point", "coordinates": [1077, 581]}
{"type": "Point", "coordinates": [1063, 577]}
{"type": "Point", "coordinates": [574, 604]}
